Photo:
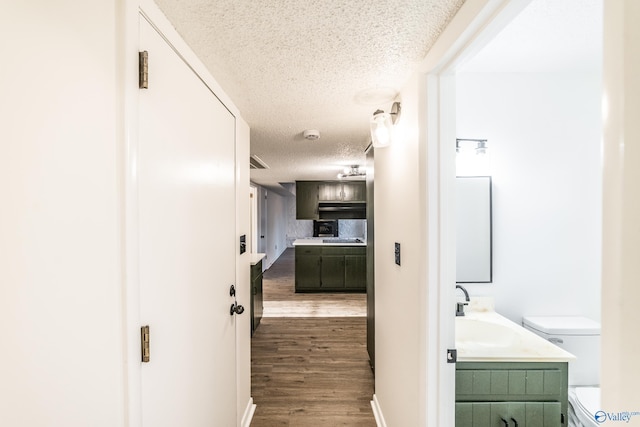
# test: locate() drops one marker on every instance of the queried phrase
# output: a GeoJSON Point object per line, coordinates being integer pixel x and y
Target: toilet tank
{"type": "Point", "coordinates": [577, 335]}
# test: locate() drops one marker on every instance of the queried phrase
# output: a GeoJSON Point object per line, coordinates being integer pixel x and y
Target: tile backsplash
{"type": "Point", "coordinates": [303, 229]}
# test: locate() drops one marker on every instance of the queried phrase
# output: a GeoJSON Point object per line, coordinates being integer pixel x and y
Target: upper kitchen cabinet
{"type": "Point", "coordinates": [307, 200]}
{"type": "Point", "coordinates": [330, 200]}
{"type": "Point", "coordinates": [342, 191]}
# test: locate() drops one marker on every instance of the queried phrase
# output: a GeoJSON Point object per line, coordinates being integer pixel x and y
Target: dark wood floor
{"type": "Point", "coordinates": [310, 371]}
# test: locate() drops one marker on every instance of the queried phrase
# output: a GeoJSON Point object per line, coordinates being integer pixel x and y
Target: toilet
{"type": "Point", "coordinates": [581, 337]}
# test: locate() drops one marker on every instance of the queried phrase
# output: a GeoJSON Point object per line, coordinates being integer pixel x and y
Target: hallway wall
{"type": "Point", "coordinates": [61, 271]}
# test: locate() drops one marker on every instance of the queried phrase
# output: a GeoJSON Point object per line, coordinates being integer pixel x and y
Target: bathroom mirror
{"type": "Point", "coordinates": [473, 229]}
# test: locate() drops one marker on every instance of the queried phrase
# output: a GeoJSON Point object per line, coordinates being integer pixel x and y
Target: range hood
{"type": "Point", "coordinates": [342, 210]}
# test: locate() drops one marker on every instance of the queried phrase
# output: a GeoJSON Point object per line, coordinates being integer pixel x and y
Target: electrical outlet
{"type": "Point", "coordinates": [397, 253]}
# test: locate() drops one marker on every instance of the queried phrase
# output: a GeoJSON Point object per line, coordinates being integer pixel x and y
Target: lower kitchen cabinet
{"type": "Point", "coordinates": [511, 394]}
{"type": "Point", "coordinates": [307, 268]}
{"type": "Point", "coordinates": [256, 296]}
{"type": "Point", "coordinates": [330, 268]}
{"type": "Point", "coordinates": [355, 270]}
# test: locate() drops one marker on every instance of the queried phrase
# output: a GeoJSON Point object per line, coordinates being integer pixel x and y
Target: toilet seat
{"type": "Point", "coordinates": [585, 402]}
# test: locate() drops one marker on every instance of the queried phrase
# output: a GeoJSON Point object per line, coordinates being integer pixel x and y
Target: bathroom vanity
{"type": "Point", "coordinates": [532, 394]}
{"type": "Point", "coordinates": [507, 376]}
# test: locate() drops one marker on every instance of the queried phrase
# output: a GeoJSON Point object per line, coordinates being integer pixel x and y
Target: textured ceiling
{"type": "Point", "coordinates": [292, 65]}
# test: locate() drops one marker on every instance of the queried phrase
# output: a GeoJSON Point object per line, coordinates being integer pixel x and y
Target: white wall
{"type": "Point", "coordinates": [544, 133]}
{"type": "Point", "coordinates": [62, 249]}
{"type": "Point", "coordinates": [397, 294]}
{"type": "Point", "coordinates": [61, 277]}
{"type": "Point", "coordinates": [276, 227]}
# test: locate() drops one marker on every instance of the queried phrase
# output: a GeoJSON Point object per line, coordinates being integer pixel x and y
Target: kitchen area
{"type": "Point", "coordinates": [320, 268]}
{"type": "Point", "coordinates": [332, 258]}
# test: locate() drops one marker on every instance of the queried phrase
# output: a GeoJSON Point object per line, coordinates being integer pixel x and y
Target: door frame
{"type": "Point", "coordinates": [474, 26]}
{"type": "Point", "coordinates": [253, 194]}
{"type": "Point", "coordinates": [127, 62]}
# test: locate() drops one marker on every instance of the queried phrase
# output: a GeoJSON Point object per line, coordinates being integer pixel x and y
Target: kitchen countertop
{"type": "Point", "coordinates": [255, 258]}
{"type": "Point", "coordinates": [322, 242]}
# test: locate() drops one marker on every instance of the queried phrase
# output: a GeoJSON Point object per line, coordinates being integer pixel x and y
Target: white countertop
{"type": "Point", "coordinates": [320, 242]}
{"type": "Point", "coordinates": [255, 258]}
{"type": "Point", "coordinates": [486, 336]}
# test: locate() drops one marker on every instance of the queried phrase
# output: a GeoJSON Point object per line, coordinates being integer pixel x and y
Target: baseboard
{"type": "Point", "coordinates": [248, 413]}
{"type": "Point", "coordinates": [377, 412]}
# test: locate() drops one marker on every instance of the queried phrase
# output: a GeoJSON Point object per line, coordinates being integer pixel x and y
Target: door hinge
{"type": "Point", "coordinates": [144, 343]}
{"type": "Point", "coordinates": [143, 70]}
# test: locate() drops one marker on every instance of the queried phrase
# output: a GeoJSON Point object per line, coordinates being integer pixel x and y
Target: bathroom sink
{"type": "Point", "coordinates": [488, 336]}
{"type": "Point", "coordinates": [478, 334]}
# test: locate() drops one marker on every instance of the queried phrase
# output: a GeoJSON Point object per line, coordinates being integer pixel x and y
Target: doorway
{"type": "Point", "coordinates": [450, 86]}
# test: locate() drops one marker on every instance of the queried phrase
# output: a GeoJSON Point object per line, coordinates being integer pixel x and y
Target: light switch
{"type": "Point", "coordinates": [397, 252]}
{"type": "Point", "coordinates": [243, 244]}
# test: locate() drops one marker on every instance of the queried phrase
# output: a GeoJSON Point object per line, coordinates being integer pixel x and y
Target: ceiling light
{"type": "Point", "coordinates": [382, 126]}
{"type": "Point", "coordinates": [352, 172]}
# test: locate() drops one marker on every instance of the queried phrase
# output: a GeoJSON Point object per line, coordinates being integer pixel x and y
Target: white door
{"type": "Point", "coordinates": [187, 244]}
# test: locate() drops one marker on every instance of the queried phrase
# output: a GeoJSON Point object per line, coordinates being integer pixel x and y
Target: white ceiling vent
{"type": "Point", "coordinates": [256, 162]}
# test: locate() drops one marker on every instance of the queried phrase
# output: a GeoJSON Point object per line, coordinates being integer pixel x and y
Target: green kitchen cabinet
{"type": "Point", "coordinates": [311, 194]}
{"type": "Point", "coordinates": [332, 272]}
{"type": "Point", "coordinates": [330, 268]}
{"type": "Point", "coordinates": [355, 271]}
{"type": "Point", "coordinates": [523, 394]}
{"type": "Point", "coordinates": [354, 191]}
{"type": "Point", "coordinates": [307, 268]}
{"type": "Point", "coordinates": [338, 191]}
{"type": "Point", "coordinates": [256, 295]}
{"type": "Point", "coordinates": [329, 191]}
{"type": "Point", "coordinates": [306, 200]}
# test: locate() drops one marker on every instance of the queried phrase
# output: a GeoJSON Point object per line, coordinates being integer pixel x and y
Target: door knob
{"type": "Point", "coordinates": [236, 309]}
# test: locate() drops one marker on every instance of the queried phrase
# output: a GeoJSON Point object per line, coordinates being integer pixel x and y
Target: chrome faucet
{"type": "Point", "coordinates": [460, 305]}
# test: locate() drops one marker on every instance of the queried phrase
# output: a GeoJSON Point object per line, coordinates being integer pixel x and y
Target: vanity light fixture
{"type": "Point", "coordinates": [480, 148]}
{"type": "Point", "coordinates": [382, 126]}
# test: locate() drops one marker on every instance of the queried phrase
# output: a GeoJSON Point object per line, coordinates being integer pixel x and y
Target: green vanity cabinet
{"type": "Point", "coordinates": [511, 394]}
{"type": "Point", "coordinates": [256, 296]}
{"type": "Point", "coordinates": [330, 268]}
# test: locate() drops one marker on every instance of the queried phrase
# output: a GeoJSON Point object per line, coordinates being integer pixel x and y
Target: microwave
{"type": "Point", "coordinates": [325, 228]}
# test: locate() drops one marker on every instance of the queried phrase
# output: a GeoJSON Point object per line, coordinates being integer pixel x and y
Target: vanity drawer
{"type": "Point", "coordinates": [509, 381]}
{"type": "Point", "coordinates": [499, 381]}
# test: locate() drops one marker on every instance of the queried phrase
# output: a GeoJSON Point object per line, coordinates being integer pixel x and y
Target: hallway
{"type": "Point", "coordinates": [309, 364]}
